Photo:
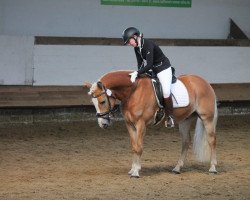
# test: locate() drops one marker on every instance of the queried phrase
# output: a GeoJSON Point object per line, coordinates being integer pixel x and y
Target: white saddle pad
{"type": "Point", "coordinates": [180, 95]}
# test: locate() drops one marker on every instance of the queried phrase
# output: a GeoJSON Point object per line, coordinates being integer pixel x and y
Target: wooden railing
{"type": "Point", "coordinates": [63, 96]}
{"type": "Point", "coordinates": [42, 40]}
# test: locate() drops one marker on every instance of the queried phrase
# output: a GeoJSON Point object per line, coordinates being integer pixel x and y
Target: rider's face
{"type": "Point", "coordinates": [132, 42]}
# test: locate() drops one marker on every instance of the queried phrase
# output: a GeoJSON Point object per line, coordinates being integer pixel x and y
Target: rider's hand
{"type": "Point", "coordinates": [133, 76]}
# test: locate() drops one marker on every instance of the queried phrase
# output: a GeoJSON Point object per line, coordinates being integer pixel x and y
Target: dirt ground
{"type": "Point", "coordinates": [79, 160]}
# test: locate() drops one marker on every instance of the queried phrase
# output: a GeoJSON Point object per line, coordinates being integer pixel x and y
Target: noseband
{"type": "Point", "coordinates": [111, 111]}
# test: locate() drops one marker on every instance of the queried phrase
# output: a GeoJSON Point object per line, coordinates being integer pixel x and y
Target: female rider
{"type": "Point", "coordinates": [150, 57]}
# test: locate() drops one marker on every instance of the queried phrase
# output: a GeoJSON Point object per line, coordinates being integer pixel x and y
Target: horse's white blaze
{"type": "Point", "coordinates": [95, 102]}
{"type": "Point", "coordinates": [101, 121]}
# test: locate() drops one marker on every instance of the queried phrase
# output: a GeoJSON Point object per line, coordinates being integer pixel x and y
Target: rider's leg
{"type": "Point", "coordinates": [169, 112]}
{"type": "Point", "coordinates": [165, 78]}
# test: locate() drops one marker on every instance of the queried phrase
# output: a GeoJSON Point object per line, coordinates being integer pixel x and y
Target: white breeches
{"type": "Point", "coordinates": [165, 78]}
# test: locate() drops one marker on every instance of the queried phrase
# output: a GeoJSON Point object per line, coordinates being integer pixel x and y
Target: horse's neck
{"type": "Point", "coordinates": [116, 79]}
{"type": "Point", "coordinates": [120, 83]}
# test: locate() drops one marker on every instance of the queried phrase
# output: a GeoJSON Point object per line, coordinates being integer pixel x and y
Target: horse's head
{"type": "Point", "coordinates": [103, 101]}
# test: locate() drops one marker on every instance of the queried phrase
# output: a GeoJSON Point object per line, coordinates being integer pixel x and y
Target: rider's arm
{"type": "Point", "coordinates": [138, 58]}
{"type": "Point", "coordinates": [148, 50]}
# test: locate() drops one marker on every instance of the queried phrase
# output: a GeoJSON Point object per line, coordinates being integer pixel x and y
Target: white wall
{"type": "Point", "coordinates": [87, 18]}
{"type": "Point", "coordinates": [16, 60]}
{"type": "Point", "coordinates": [1, 17]}
{"type": "Point", "coordinates": [72, 65]}
{"type": "Point", "coordinates": [216, 64]}
{"type": "Point", "coordinates": [21, 61]}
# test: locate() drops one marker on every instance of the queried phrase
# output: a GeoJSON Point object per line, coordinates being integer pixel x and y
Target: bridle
{"type": "Point", "coordinates": [111, 111]}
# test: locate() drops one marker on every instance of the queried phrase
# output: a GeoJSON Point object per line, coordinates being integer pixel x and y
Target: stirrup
{"type": "Point", "coordinates": [159, 116]}
{"type": "Point", "coordinates": [169, 123]}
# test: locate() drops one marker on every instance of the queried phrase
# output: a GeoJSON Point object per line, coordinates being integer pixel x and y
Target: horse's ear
{"type": "Point", "coordinates": [99, 85]}
{"type": "Point", "coordinates": [87, 85]}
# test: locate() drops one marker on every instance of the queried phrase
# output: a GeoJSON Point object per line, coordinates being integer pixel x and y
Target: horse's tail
{"type": "Point", "coordinates": [201, 148]}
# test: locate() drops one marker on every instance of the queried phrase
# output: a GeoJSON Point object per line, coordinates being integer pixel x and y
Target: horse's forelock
{"type": "Point", "coordinates": [92, 89]}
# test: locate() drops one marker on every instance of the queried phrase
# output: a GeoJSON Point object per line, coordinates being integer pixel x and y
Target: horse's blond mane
{"type": "Point", "coordinates": [116, 79]}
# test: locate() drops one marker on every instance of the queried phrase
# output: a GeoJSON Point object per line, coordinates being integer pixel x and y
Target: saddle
{"type": "Point", "coordinates": [160, 113]}
{"type": "Point", "coordinates": [179, 96]}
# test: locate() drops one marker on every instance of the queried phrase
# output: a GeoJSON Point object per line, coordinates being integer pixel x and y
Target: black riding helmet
{"type": "Point", "coordinates": [129, 33]}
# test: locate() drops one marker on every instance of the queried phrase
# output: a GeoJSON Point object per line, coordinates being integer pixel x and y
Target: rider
{"type": "Point", "coordinates": [150, 57]}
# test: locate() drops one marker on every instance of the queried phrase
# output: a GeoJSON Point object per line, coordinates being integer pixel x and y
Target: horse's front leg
{"type": "Point", "coordinates": [136, 133]}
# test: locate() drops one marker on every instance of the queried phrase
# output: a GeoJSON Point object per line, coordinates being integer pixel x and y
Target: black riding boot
{"type": "Point", "coordinates": [169, 111]}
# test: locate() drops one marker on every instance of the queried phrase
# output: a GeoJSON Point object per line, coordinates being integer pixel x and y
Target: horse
{"type": "Point", "coordinates": [139, 105]}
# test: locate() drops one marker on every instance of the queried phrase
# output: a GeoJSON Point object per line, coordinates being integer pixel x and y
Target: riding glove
{"type": "Point", "coordinates": [133, 76]}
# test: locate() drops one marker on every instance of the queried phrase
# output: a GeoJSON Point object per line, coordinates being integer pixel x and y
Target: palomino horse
{"type": "Point", "coordinates": [139, 106]}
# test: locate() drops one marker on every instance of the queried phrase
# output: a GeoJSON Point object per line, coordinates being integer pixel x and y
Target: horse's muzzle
{"type": "Point", "coordinates": [104, 122]}
{"type": "Point", "coordinates": [105, 126]}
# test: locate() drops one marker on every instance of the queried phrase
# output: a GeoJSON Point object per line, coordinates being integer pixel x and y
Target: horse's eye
{"type": "Point", "coordinates": [102, 102]}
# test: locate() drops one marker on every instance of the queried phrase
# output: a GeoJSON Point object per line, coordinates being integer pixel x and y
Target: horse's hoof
{"type": "Point", "coordinates": [135, 174]}
{"type": "Point", "coordinates": [130, 172]}
{"type": "Point", "coordinates": [176, 171]}
{"type": "Point", "coordinates": [213, 170]}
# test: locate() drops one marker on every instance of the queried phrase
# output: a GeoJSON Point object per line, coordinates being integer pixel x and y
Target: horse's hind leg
{"type": "Point", "coordinates": [211, 138]}
{"type": "Point", "coordinates": [184, 129]}
{"type": "Point", "coordinates": [205, 144]}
